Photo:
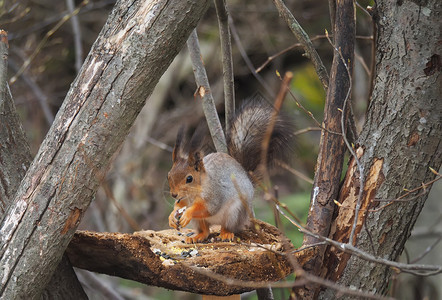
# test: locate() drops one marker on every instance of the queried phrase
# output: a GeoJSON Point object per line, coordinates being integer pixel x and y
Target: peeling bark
{"type": "Point", "coordinates": [332, 147]}
{"type": "Point", "coordinates": [401, 140]}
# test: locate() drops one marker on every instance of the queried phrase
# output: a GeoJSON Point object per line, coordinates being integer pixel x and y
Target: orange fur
{"type": "Point", "coordinates": [226, 235]}
{"type": "Point", "coordinates": [202, 235]}
{"type": "Point", "coordinates": [197, 211]}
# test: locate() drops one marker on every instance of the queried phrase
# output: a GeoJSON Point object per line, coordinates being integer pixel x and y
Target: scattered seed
{"type": "Point", "coordinates": [165, 255]}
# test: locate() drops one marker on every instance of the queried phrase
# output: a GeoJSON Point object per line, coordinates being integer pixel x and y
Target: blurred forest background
{"type": "Point", "coordinates": [48, 41]}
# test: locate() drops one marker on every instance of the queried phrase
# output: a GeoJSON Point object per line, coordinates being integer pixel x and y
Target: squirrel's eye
{"type": "Point", "coordinates": [189, 179]}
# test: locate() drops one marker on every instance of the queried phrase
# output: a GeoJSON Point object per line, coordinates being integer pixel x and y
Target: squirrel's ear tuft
{"type": "Point", "coordinates": [196, 161]}
{"type": "Point", "coordinates": [178, 144]}
{"type": "Point", "coordinates": [198, 140]}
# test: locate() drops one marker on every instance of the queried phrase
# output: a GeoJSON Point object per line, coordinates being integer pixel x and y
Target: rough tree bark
{"type": "Point", "coordinates": [15, 155]}
{"type": "Point", "coordinates": [135, 47]}
{"type": "Point", "coordinates": [332, 147]}
{"type": "Point", "coordinates": [15, 158]}
{"type": "Point", "coordinates": [399, 142]}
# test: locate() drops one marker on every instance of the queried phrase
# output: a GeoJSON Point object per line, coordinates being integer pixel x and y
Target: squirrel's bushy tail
{"type": "Point", "coordinates": [248, 130]}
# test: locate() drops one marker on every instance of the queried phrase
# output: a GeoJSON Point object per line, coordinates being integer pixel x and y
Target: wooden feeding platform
{"type": "Point", "coordinates": [256, 258]}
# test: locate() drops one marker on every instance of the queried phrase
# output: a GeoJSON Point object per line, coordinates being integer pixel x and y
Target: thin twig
{"type": "Point", "coordinates": [77, 35]}
{"type": "Point", "coordinates": [205, 93]}
{"type": "Point", "coordinates": [91, 6]}
{"type": "Point", "coordinates": [302, 37]}
{"type": "Point", "coordinates": [309, 246]}
{"type": "Point", "coordinates": [276, 215]}
{"type": "Point", "coordinates": [363, 9]}
{"type": "Point", "coordinates": [294, 46]}
{"type": "Point", "coordinates": [4, 52]}
{"type": "Point", "coordinates": [301, 275]}
{"type": "Point", "coordinates": [159, 144]}
{"type": "Point", "coordinates": [364, 65]}
{"type": "Point", "coordinates": [20, 14]}
{"type": "Point", "coordinates": [270, 58]}
{"type": "Point", "coordinates": [279, 204]}
{"type": "Point", "coordinates": [309, 113]}
{"type": "Point", "coordinates": [398, 199]}
{"type": "Point", "coordinates": [247, 60]}
{"type": "Point", "coordinates": [268, 134]}
{"type": "Point", "coordinates": [42, 98]}
{"type": "Point", "coordinates": [428, 250]}
{"type": "Point", "coordinates": [416, 269]}
{"type": "Point", "coordinates": [294, 172]}
{"type": "Point", "coordinates": [306, 277]}
{"type": "Point", "coordinates": [132, 223]}
{"type": "Point", "coordinates": [307, 129]}
{"type": "Point", "coordinates": [402, 197]}
{"type": "Point", "coordinates": [226, 50]}
{"type": "Point", "coordinates": [45, 39]}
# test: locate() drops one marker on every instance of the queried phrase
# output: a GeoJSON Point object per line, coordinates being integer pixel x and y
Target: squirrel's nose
{"type": "Point", "coordinates": [174, 195]}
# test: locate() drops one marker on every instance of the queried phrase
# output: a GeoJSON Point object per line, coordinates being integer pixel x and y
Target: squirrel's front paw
{"type": "Point", "coordinates": [175, 218]}
{"type": "Point", "coordinates": [226, 235]}
{"type": "Point", "coordinates": [200, 237]}
{"type": "Point", "coordinates": [173, 222]}
{"type": "Point", "coordinates": [185, 218]}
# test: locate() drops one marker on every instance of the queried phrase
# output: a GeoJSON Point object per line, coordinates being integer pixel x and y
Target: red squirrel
{"type": "Point", "coordinates": [218, 188]}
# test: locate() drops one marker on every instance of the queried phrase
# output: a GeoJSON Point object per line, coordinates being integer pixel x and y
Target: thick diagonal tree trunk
{"type": "Point", "coordinates": [399, 143]}
{"type": "Point", "coordinates": [15, 158]}
{"type": "Point", "coordinates": [135, 47]}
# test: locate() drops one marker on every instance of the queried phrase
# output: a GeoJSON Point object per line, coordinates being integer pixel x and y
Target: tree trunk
{"type": "Point", "coordinates": [400, 141]}
{"type": "Point", "coordinates": [135, 47]}
{"type": "Point", "coordinates": [15, 155]}
{"type": "Point", "coordinates": [332, 147]}
{"type": "Point", "coordinates": [15, 158]}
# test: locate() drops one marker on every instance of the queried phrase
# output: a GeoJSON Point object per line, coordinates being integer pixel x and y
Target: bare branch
{"type": "Point", "coordinates": [285, 86]}
{"type": "Point", "coordinates": [297, 45]}
{"type": "Point", "coordinates": [204, 92]}
{"type": "Point", "coordinates": [44, 41]}
{"type": "Point", "coordinates": [247, 60]}
{"type": "Point", "coordinates": [227, 60]}
{"type": "Point", "coordinates": [77, 35]}
{"type": "Point", "coordinates": [294, 172]}
{"type": "Point", "coordinates": [41, 97]}
{"type": "Point", "coordinates": [416, 269]}
{"type": "Point", "coordinates": [428, 250]}
{"type": "Point", "coordinates": [302, 37]}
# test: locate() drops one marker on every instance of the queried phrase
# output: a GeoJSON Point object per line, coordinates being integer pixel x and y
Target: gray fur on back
{"type": "Point", "coordinates": [228, 208]}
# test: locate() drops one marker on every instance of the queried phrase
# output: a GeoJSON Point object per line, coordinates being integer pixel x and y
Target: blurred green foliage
{"type": "Point", "coordinates": [308, 88]}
